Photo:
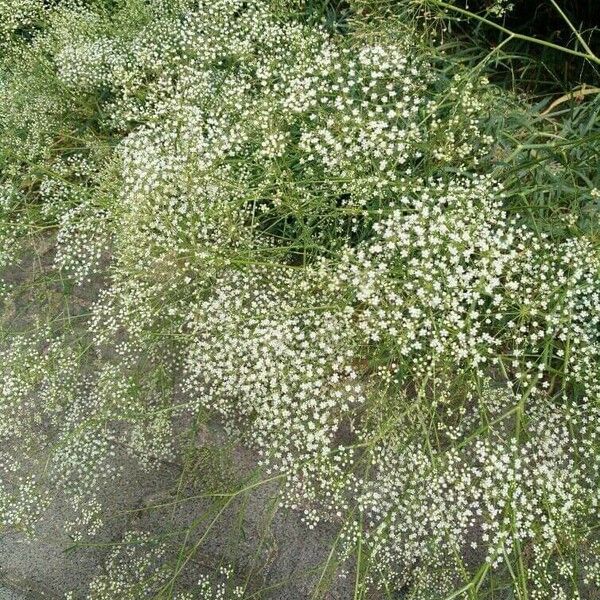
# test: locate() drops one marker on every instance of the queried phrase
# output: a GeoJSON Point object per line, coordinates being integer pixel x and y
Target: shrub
{"type": "Point", "coordinates": [367, 263]}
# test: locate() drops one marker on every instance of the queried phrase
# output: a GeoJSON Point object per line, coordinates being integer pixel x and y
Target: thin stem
{"type": "Point", "coordinates": [518, 36]}
{"type": "Point", "coordinates": [573, 29]}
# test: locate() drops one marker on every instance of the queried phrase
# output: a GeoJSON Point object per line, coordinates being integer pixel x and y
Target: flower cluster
{"type": "Point", "coordinates": [298, 233]}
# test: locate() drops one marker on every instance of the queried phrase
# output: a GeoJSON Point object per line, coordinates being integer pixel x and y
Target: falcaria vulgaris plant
{"type": "Point", "coordinates": [327, 243]}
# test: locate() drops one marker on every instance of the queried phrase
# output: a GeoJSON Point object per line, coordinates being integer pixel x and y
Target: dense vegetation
{"type": "Point", "coordinates": [357, 238]}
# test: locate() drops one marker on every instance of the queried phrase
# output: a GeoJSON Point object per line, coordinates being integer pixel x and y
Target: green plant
{"type": "Point", "coordinates": [330, 234]}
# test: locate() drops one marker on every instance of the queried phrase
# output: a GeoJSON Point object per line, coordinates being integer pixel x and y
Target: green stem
{"type": "Point", "coordinates": [518, 36]}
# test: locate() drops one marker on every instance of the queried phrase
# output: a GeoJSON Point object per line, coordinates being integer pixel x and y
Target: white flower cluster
{"type": "Point", "coordinates": [209, 590]}
{"type": "Point", "coordinates": [131, 571]}
{"type": "Point", "coordinates": [72, 423]}
{"type": "Point", "coordinates": [18, 15]}
{"type": "Point", "coordinates": [300, 233]}
{"type": "Point", "coordinates": [491, 495]}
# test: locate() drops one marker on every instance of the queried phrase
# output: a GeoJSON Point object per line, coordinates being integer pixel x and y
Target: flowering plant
{"type": "Point", "coordinates": [311, 245]}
